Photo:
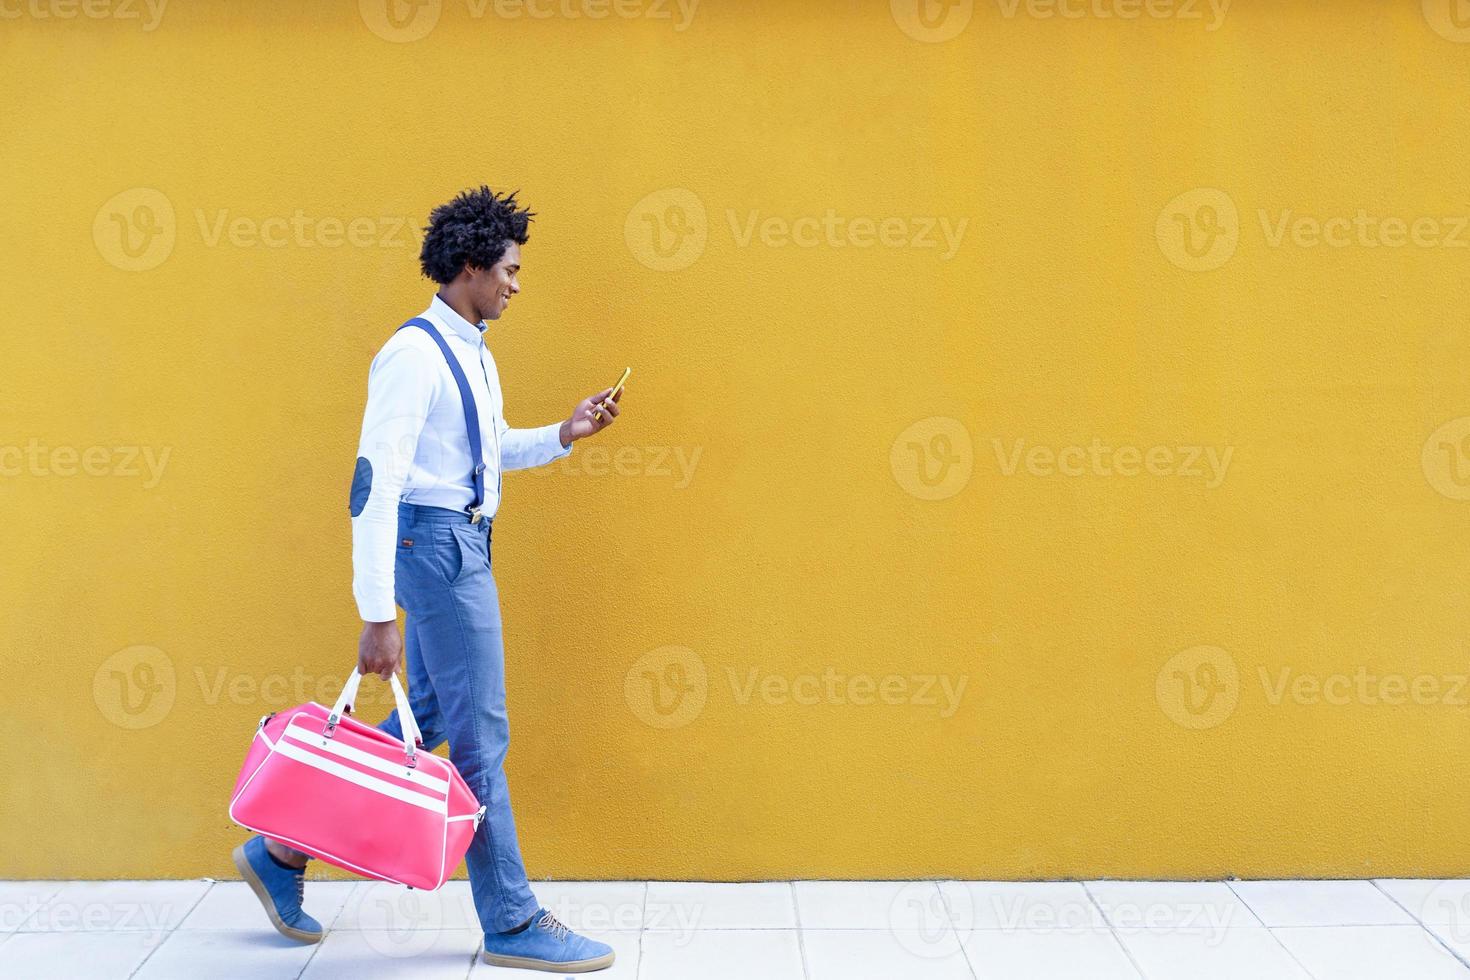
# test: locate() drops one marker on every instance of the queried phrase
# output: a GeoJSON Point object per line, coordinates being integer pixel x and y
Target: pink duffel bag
{"type": "Point", "coordinates": [321, 781]}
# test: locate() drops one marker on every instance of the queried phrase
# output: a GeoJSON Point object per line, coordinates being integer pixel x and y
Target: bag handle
{"type": "Point", "coordinates": [412, 737]}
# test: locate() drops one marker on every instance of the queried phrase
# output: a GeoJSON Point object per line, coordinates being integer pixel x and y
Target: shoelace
{"type": "Point", "coordinates": [300, 887]}
{"type": "Point", "coordinates": [550, 924]}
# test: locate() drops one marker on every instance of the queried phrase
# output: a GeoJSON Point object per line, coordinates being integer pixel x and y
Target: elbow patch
{"type": "Point", "coordinates": [362, 486]}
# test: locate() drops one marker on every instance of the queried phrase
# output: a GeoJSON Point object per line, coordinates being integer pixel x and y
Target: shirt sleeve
{"type": "Point", "coordinates": [402, 386]}
{"type": "Point", "coordinates": [521, 449]}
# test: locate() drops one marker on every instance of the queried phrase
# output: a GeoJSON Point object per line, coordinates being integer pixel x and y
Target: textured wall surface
{"type": "Point", "coordinates": [1047, 453]}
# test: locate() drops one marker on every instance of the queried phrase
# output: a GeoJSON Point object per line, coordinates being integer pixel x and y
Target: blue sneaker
{"type": "Point", "coordinates": [547, 945]}
{"type": "Point", "coordinates": [279, 890]}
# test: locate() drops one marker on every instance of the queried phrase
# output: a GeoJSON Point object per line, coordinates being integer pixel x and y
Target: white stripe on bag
{"type": "Point", "coordinates": [306, 736]}
{"type": "Point", "coordinates": [380, 786]}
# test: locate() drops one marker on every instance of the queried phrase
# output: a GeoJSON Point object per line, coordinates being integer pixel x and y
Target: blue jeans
{"type": "Point", "coordinates": [456, 687]}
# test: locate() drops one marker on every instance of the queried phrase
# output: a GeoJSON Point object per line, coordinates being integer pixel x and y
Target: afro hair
{"type": "Point", "coordinates": [473, 229]}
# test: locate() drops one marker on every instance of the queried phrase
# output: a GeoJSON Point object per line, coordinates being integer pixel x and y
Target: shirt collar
{"type": "Point", "coordinates": [445, 314]}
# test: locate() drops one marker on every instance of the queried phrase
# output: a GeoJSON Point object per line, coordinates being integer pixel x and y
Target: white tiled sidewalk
{"type": "Point", "coordinates": [948, 930]}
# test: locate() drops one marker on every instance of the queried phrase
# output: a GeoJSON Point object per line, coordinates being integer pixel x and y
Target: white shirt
{"type": "Point", "coordinates": [415, 443]}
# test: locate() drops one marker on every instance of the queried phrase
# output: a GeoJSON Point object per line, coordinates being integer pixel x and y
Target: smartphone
{"type": "Point", "coordinates": [617, 390]}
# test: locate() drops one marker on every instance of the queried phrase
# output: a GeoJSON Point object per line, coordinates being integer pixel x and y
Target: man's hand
{"type": "Point", "coordinates": [582, 423]}
{"type": "Point", "coordinates": [379, 649]}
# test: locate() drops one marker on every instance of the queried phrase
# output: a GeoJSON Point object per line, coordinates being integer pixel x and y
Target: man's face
{"type": "Point", "coordinates": [492, 288]}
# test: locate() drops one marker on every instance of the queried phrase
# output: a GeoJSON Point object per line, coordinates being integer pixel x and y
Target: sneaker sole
{"type": "Point", "coordinates": [242, 863]}
{"type": "Point", "coordinates": [547, 966]}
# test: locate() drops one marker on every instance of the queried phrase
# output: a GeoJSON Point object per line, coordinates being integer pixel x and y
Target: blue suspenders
{"type": "Point", "coordinates": [471, 415]}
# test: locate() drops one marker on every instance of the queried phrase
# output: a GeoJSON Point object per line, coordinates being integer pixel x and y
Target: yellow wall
{"type": "Point", "coordinates": [847, 604]}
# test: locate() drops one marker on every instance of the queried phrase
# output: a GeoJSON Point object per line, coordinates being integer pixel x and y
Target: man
{"type": "Point", "coordinates": [421, 518]}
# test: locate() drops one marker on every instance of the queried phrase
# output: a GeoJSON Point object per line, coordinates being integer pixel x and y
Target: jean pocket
{"type": "Point", "coordinates": [474, 549]}
{"type": "Point", "coordinates": [449, 557]}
